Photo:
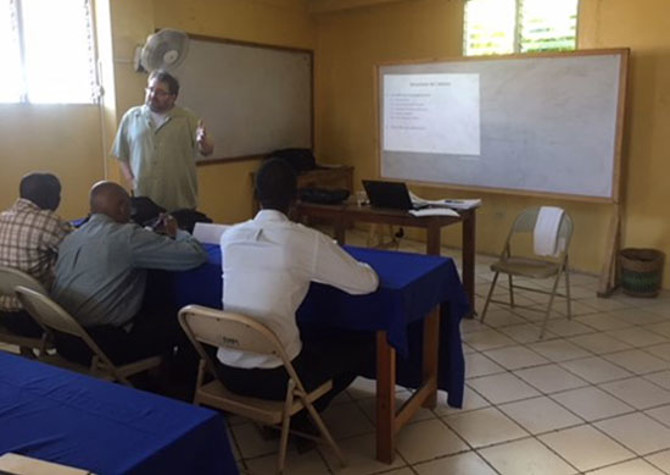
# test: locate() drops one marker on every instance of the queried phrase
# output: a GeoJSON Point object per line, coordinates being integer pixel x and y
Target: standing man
{"type": "Point", "coordinates": [157, 144]}
{"type": "Point", "coordinates": [30, 232]}
{"type": "Point", "coordinates": [268, 264]}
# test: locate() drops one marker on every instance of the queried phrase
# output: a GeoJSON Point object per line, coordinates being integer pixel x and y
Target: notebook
{"type": "Point", "coordinates": [389, 194]}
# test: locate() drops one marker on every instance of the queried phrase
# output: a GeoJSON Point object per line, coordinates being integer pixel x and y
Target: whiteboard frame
{"type": "Point", "coordinates": [218, 158]}
{"type": "Point", "coordinates": [616, 179]}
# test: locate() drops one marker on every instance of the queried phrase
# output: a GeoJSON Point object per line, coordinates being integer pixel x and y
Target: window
{"type": "Point", "coordinates": [47, 51]}
{"type": "Point", "coordinates": [519, 26]}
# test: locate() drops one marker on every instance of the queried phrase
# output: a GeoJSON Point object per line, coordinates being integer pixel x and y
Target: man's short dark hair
{"type": "Point", "coordinates": [43, 189]}
{"type": "Point", "coordinates": [276, 185]}
{"type": "Point", "coordinates": [163, 76]}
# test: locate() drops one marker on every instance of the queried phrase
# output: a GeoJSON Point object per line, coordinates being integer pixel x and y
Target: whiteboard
{"type": "Point", "coordinates": [252, 98]}
{"type": "Point", "coordinates": [527, 124]}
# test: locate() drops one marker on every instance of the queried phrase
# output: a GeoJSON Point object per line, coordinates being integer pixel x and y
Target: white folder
{"type": "Point", "coordinates": [209, 233]}
{"type": "Point", "coordinates": [545, 234]}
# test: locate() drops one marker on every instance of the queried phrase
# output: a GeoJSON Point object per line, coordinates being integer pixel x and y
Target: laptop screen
{"type": "Point", "coordinates": [388, 194]}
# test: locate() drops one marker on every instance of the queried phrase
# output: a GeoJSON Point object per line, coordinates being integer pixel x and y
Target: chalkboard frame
{"type": "Point", "coordinates": [290, 53]}
{"type": "Point", "coordinates": [616, 176]}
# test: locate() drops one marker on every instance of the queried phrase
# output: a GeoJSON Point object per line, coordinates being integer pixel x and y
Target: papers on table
{"type": "Point", "coordinates": [445, 203]}
{"type": "Point", "coordinates": [209, 233]}
{"type": "Point", "coordinates": [433, 212]}
{"type": "Point", "coordinates": [18, 464]}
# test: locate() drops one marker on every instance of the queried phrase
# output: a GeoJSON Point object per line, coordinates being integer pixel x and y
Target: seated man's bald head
{"type": "Point", "coordinates": [111, 199]}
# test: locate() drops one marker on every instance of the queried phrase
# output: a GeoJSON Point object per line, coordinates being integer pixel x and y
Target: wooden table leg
{"type": "Point", "coordinates": [433, 239]}
{"type": "Point", "coordinates": [385, 413]}
{"type": "Point", "coordinates": [431, 345]}
{"type": "Point", "coordinates": [468, 260]}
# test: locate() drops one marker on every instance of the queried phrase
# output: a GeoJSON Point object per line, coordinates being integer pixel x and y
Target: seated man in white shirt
{"type": "Point", "coordinates": [268, 263]}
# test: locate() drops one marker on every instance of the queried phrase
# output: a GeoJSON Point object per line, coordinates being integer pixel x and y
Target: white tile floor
{"type": "Point", "coordinates": [592, 397]}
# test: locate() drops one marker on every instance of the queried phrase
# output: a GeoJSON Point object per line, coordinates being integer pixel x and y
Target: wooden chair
{"type": "Point", "coordinates": [9, 279]}
{"type": "Point", "coordinates": [224, 329]}
{"type": "Point", "coordinates": [52, 316]}
{"type": "Point", "coordinates": [516, 263]}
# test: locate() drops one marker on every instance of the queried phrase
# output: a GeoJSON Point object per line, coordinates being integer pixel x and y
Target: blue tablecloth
{"type": "Point", "coordinates": [411, 285]}
{"type": "Point", "coordinates": [64, 417]}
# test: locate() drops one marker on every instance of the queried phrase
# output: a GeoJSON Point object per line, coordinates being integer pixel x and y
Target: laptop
{"type": "Point", "coordinates": [389, 194]}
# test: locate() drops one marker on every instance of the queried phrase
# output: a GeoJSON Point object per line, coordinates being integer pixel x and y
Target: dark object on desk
{"type": "Point", "coordinates": [323, 195]}
{"type": "Point", "coordinates": [143, 210]}
{"type": "Point", "coordinates": [301, 159]}
{"type": "Point", "coordinates": [146, 213]}
{"type": "Point", "coordinates": [389, 194]}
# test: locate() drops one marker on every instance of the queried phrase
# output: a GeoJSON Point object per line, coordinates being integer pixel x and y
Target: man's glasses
{"type": "Point", "coordinates": [156, 92]}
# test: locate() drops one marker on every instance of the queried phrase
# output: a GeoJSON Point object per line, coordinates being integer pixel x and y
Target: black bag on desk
{"type": "Point", "coordinates": [301, 159]}
{"type": "Point", "coordinates": [323, 196]}
{"type": "Point", "coordinates": [145, 213]}
{"type": "Point", "coordinates": [143, 210]}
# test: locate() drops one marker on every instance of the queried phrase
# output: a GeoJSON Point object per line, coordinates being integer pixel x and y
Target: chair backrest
{"type": "Point", "coordinates": [231, 330]}
{"type": "Point", "coordinates": [11, 278]}
{"type": "Point", "coordinates": [525, 222]}
{"type": "Point", "coordinates": [48, 312]}
{"type": "Point", "coordinates": [53, 316]}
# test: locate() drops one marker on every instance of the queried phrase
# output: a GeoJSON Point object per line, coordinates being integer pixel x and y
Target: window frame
{"type": "Point", "coordinates": [517, 40]}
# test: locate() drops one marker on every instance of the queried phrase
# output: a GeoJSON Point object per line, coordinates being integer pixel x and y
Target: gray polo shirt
{"type": "Point", "coordinates": [102, 267]}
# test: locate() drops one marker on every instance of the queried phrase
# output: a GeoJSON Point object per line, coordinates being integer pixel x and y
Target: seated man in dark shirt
{"type": "Point", "coordinates": [101, 276]}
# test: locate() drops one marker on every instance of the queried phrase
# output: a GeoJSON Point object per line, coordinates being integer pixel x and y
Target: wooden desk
{"type": "Point", "coordinates": [326, 176]}
{"type": "Point", "coordinates": [415, 290]}
{"type": "Point", "coordinates": [342, 216]}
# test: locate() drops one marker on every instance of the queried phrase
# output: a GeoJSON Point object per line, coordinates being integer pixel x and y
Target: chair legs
{"type": "Point", "coordinates": [325, 433]}
{"type": "Point", "coordinates": [510, 283]}
{"type": "Point", "coordinates": [552, 295]}
{"type": "Point", "coordinates": [488, 297]}
{"type": "Point", "coordinates": [27, 352]}
{"type": "Point", "coordinates": [567, 291]}
{"type": "Point", "coordinates": [549, 304]}
{"type": "Point", "coordinates": [376, 237]}
{"type": "Point", "coordinates": [285, 426]}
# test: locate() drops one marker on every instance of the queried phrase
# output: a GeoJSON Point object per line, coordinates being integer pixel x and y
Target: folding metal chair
{"type": "Point", "coordinates": [52, 316]}
{"type": "Point", "coordinates": [9, 279]}
{"type": "Point", "coordinates": [516, 260]}
{"type": "Point", "coordinates": [224, 329]}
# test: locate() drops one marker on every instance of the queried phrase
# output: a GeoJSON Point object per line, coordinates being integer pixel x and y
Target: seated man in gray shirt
{"type": "Point", "coordinates": [101, 275]}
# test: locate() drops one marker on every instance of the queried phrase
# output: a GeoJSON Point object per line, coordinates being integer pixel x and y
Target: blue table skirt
{"type": "Point", "coordinates": [411, 285]}
{"type": "Point", "coordinates": [72, 419]}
